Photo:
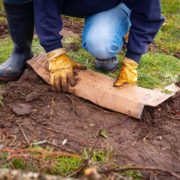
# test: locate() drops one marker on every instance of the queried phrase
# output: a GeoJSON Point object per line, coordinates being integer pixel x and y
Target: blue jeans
{"type": "Point", "coordinates": [16, 1]}
{"type": "Point", "coordinates": [103, 34]}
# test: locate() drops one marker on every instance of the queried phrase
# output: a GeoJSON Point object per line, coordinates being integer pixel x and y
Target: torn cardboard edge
{"type": "Point", "coordinates": [97, 88]}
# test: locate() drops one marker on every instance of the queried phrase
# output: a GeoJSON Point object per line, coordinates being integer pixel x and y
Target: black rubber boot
{"type": "Point", "coordinates": [108, 65]}
{"type": "Point", "coordinates": [21, 27]}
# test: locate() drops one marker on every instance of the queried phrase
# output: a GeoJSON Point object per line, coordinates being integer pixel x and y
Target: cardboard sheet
{"type": "Point", "coordinates": [97, 88]}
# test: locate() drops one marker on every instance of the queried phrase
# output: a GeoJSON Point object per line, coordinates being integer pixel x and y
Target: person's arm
{"type": "Point", "coordinates": [146, 20]}
{"type": "Point", "coordinates": [48, 23]}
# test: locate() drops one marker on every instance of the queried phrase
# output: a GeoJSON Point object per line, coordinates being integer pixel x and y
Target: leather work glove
{"type": "Point", "coordinates": [128, 73]}
{"type": "Point", "coordinates": [61, 69]}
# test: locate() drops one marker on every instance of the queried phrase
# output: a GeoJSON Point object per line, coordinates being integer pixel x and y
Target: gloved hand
{"type": "Point", "coordinates": [128, 73]}
{"type": "Point", "coordinates": [61, 69]}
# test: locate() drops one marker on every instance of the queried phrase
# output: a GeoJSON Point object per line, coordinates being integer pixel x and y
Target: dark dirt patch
{"type": "Point", "coordinates": [3, 29]}
{"type": "Point", "coordinates": [152, 141]}
{"type": "Point", "coordinates": [68, 24]}
{"type": "Point", "coordinates": [71, 24]}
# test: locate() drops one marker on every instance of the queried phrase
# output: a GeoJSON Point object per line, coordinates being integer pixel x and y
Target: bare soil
{"type": "Point", "coordinates": [46, 115]}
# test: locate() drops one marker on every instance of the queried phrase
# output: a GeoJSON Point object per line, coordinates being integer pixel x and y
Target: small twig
{"type": "Point", "coordinates": [53, 130]}
{"type": "Point", "coordinates": [141, 168]}
{"type": "Point", "coordinates": [39, 143]}
{"type": "Point", "coordinates": [24, 135]}
{"type": "Point", "coordinates": [52, 107]}
{"type": "Point", "coordinates": [61, 132]}
{"type": "Point", "coordinates": [73, 106]}
{"type": "Point", "coordinates": [55, 145]}
{"type": "Point", "coordinates": [52, 144]}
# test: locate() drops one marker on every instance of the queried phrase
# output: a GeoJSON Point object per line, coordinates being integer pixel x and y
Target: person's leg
{"type": "Point", "coordinates": [103, 35]}
{"type": "Point", "coordinates": [20, 18]}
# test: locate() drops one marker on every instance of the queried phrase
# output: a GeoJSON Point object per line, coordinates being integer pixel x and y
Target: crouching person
{"type": "Point", "coordinates": [106, 23]}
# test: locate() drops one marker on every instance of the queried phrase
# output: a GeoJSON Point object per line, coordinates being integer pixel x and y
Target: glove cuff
{"type": "Point", "coordinates": [130, 62]}
{"type": "Point", "coordinates": [55, 53]}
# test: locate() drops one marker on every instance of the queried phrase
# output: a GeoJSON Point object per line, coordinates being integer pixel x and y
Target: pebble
{"type": "Point", "coordinates": [21, 109]}
{"type": "Point", "coordinates": [32, 97]}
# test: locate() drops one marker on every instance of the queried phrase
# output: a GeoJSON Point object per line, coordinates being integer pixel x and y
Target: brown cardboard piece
{"type": "Point", "coordinates": [97, 88]}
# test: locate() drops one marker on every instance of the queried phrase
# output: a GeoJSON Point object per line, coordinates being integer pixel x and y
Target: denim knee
{"type": "Point", "coordinates": [104, 32]}
{"type": "Point", "coordinates": [101, 47]}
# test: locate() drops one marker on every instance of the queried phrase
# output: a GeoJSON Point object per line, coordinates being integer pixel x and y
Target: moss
{"type": "Point", "coordinates": [64, 166]}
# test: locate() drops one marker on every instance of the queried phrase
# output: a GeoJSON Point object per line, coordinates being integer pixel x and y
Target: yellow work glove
{"type": "Point", "coordinates": [128, 73]}
{"type": "Point", "coordinates": [61, 69]}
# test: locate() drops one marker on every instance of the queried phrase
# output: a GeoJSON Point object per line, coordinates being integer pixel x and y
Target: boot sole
{"type": "Point", "coordinates": [108, 71]}
{"type": "Point", "coordinates": [8, 79]}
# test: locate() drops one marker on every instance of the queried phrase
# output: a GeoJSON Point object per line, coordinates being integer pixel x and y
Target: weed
{"type": "Point", "coordinates": [135, 175]}
{"type": "Point", "coordinates": [18, 163]}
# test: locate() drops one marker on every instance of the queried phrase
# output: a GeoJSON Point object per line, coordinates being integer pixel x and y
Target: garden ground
{"type": "Point", "coordinates": [31, 113]}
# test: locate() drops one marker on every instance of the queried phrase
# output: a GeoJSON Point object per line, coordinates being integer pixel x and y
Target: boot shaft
{"type": "Point", "coordinates": [20, 19]}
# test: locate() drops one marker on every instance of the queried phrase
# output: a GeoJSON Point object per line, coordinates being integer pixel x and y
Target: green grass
{"type": "Point", "coordinates": [1, 7]}
{"type": "Point", "coordinates": [170, 7]}
{"type": "Point", "coordinates": [61, 166]}
{"type": "Point", "coordinates": [158, 70]}
{"type": "Point", "coordinates": [168, 38]}
{"type": "Point", "coordinates": [64, 166]}
{"type": "Point", "coordinates": [155, 71]}
{"type": "Point", "coordinates": [53, 165]}
{"type": "Point", "coordinates": [3, 20]}
{"type": "Point", "coordinates": [5, 49]}
{"type": "Point", "coordinates": [135, 175]}
{"type": "Point", "coordinates": [7, 46]}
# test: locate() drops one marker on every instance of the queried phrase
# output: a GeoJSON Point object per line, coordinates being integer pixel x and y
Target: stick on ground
{"type": "Point", "coordinates": [24, 135]}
